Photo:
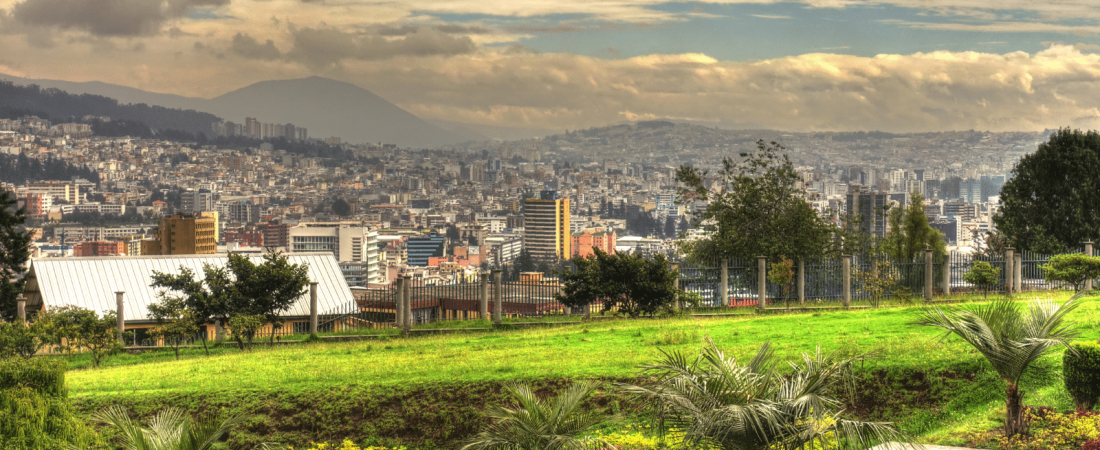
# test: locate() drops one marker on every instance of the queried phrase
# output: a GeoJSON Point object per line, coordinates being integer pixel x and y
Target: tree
{"type": "Point", "coordinates": [341, 207]}
{"type": "Point", "coordinates": [983, 275]}
{"type": "Point", "coordinates": [97, 335]}
{"type": "Point", "coordinates": [552, 424]}
{"type": "Point", "coordinates": [756, 210]}
{"type": "Point", "coordinates": [1074, 268]}
{"type": "Point", "coordinates": [175, 323]}
{"type": "Point", "coordinates": [910, 232]}
{"type": "Point", "coordinates": [206, 302]}
{"type": "Point", "coordinates": [782, 274]}
{"type": "Point", "coordinates": [169, 429]}
{"type": "Point", "coordinates": [670, 227]}
{"type": "Point", "coordinates": [15, 250]}
{"type": "Point", "coordinates": [716, 401]}
{"type": "Point", "coordinates": [524, 262]}
{"type": "Point", "coordinates": [23, 340]}
{"type": "Point", "coordinates": [271, 286]}
{"type": "Point", "coordinates": [629, 284]}
{"type": "Point", "coordinates": [1051, 203]}
{"type": "Point", "coordinates": [1010, 339]}
{"type": "Point", "coordinates": [992, 244]}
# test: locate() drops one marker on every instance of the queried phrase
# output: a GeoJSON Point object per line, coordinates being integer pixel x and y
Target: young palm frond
{"type": "Point", "coordinates": [713, 400]}
{"type": "Point", "coordinates": [1010, 338]}
{"type": "Point", "coordinates": [170, 429]}
{"type": "Point", "coordinates": [540, 424]}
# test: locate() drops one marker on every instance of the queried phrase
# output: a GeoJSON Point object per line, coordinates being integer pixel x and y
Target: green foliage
{"type": "Point", "coordinates": [983, 275]}
{"type": "Point", "coordinates": [910, 232]}
{"type": "Point", "coordinates": [340, 207]}
{"type": "Point", "coordinates": [553, 424]}
{"type": "Point", "coordinates": [1074, 268]}
{"type": "Point", "coordinates": [1081, 374]}
{"type": "Point", "coordinates": [83, 329]}
{"type": "Point", "coordinates": [628, 284]}
{"type": "Point", "coordinates": [1052, 430]}
{"type": "Point", "coordinates": [523, 263]}
{"type": "Point", "coordinates": [170, 429]}
{"type": "Point", "coordinates": [758, 210]}
{"type": "Point", "coordinates": [782, 274]}
{"type": "Point", "coordinates": [15, 243]}
{"type": "Point", "coordinates": [175, 323]}
{"type": "Point", "coordinates": [18, 339]}
{"type": "Point", "coordinates": [1051, 203]}
{"type": "Point", "coordinates": [716, 401]}
{"type": "Point", "coordinates": [875, 281]}
{"type": "Point", "coordinates": [1010, 339]}
{"type": "Point", "coordinates": [244, 327]}
{"type": "Point", "coordinates": [35, 413]}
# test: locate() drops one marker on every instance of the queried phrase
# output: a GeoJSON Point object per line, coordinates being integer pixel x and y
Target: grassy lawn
{"type": "Point", "coordinates": [606, 349]}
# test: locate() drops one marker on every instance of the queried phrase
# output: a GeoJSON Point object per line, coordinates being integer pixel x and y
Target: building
{"type": "Point", "coordinates": [349, 242]}
{"type": "Point", "coordinates": [99, 248]}
{"type": "Point", "coordinates": [38, 203]}
{"type": "Point", "coordinates": [422, 248]}
{"type": "Point", "coordinates": [587, 241]}
{"type": "Point", "coordinates": [867, 208]}
{"type": "Point", "coordinates": [276, 235]}
{"type": "Point", "coordinates": [194, 201]}
{"type": "Point", "coordinates": [184, 235]}
{"type": "Point", "coordinates": [546, 226]}
{"type": "Point", "coordinates": [59, 191]}
{"type": "Point", "coordinates": [245, 237]}
{"type": "Point", "coordinates": [95, 207]}
{"type": "Point", "coordinates": [503, 249]}
{"type": "Point", "coordinates": [243, 211]}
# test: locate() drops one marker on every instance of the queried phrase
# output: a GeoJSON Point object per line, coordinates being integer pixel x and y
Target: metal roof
{"type": "Point", "coordinates": [91, 283]}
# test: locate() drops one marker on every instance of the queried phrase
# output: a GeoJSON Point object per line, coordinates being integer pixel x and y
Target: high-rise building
{"type": "Point", "coordinates": [422, 248]}
{"type": "Point", "coordinates": [184, 235]}
{"type": "Point", "coordinates": [867, 208]}
{"type": "Point", "coordinates": [350, 242]}
{"type": "Point", "coordinates": [194, 201]}
{"type": "Point", "coordinates": [546, 227]}
{"type": "Point", "coordinates": [276, 235]}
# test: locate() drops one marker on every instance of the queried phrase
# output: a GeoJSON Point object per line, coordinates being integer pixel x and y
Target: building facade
{"type": "Point", "coordinates": [546, 226]}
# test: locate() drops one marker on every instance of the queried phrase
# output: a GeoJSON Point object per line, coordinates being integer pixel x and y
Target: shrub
{"type": "Point", "coordinates": [627, 284]}
{"type": "Point", "coordinates": [1091, 445]}
{"type": "Point", "coordinates": [1081, 374]}
{"type": "Point", "coordinates": [983, 275]}
{"type": "Point", "coordinates": [1073, 268]}
{"type": "Point", "coordinates": [34, 407]}
{"type": "Point", "coordinates": [346, 445]}
{"type": "Point", "coordinates": [1052, 430]}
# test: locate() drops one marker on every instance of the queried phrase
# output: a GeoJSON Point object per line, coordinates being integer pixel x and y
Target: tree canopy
{"type": "Point", "coordinates": [15, 243]}
{"type": "Point", "coordinates": [1052, 201]}
{"type": "Point", "coordinates": [910, 232]}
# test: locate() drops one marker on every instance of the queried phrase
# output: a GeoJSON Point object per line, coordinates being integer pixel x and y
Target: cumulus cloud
{"type": "Point", "coordinates": [106, 17]}
{"type": "Point", "coordinates": [322, 47]}
{"type": "Point", "coordinates": [248, 47]}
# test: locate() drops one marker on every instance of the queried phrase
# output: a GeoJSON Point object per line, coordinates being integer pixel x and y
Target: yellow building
{"type": "Point", "coordinates": [184, 235]}
{"type": "Point", "coordinates": [546, 231]}
{"type": "Point", "coordinates": [217, 224]}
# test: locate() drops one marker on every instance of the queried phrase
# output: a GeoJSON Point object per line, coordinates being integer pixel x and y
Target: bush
{"type": "Point", "coordinates": [34, 407]}
{"type": "Point", "coordinates": [983, 275]}
{"type": "Point", "coordinates": [625, 283]}
{"type": "Point", "coordinates": [1081, 374]}
{"type": "Point", "coordinates": [1072, 268]}
{"type": "Point", "coordinates": [1052, 430]}
{"type": "Point", "coordinates": [346, 445]}
{"type": "Point", "coordinates": [1091, 445]}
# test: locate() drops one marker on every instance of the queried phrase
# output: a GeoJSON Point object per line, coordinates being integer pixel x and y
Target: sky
{"type": "Point", "coordinates": [802, 65]}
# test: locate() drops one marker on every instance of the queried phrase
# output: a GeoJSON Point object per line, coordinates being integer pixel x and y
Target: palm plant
{"type": "Point", "coordinates": [716, 401]}
{"type": "Point", "coordinates": [540, 424]}
{"type": "Point", "coordinates": [1010, 339]}
{"type": "Point", "coordinates": [170, 429]}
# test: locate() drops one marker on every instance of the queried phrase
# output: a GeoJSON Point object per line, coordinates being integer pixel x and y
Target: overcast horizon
{"type": "Point", "coordinates": [814, 65]}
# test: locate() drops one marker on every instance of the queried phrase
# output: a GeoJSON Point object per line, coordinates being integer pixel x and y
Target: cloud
{"type": "Point", "coordinates": [106, 17]}
{"type": "Point", "coordinates": [248, 47]}
{"type": "Point", "coordinates": [765, 16]}
{"type": "Point", "coordinates": [323, 47]}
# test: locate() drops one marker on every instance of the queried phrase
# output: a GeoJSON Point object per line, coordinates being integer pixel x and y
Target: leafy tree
{"type": "Point", "coordinates": [15, 250]}
{"type": "Point", "coordinates": [524, 262]}
{"type": "Point", "coordinates": [175, 323]}
{"type": "Point", "coordinates": [169, 429]}
{"type": "Point", "coordinates": [716, 401]}
{"type": "Point", "coordinates": [909, 232]}
{"type": "Point", "coordinates": [983, 275]}
{"type": "Point", "coordinates": [96, 335]}
{"type": "Point", "coordinates": [204, 301]}
{"type": "Point", "coordinates": [341, 207]}
{"type": "Point", "coordinates": [876, 281]}
{"type": "Point", "coordinates": [1052, 201]}
{"type": "Point", "coordinates": [552, 424]}
{"type": "Point", "coordinates": [1010, 339]}
{"type": "Point", "coordinates": [990, 243]}
{"type": "Point", "coordinates": [271, 286]}
{"type": "Point", "coordinates": [756, 210]}
{"type": "Point", "coordinates": [629, 284]}
{"type": "Point", "coordinates": [244, 328]}
{"type": "Point", "coordinates": [24, 340]}
{"type": "Point", "coordinates": [782, 274]}
{"type": "Point", "coordinates": [670, 227]}
{"type": "Point", "coordinates": [1074, 268]}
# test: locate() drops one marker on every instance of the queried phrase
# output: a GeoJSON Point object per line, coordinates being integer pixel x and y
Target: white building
{"type": "Point", "coordinates": [349, 242]}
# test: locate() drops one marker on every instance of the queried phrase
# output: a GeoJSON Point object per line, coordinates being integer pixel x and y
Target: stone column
{"type": "Point", "coordinates": [21, 310]}
{"type": "Point", "coordinates": [761, 282]}
{"type": "Point", "coordinates": [498, 296]}
{"type": "Point", "coordinates": [1009, 258]}
{"type": "Point", "coordinates": [846, 268]}
{"type": "Point", "coordinates": [483, 295]}
{"type": "Point", "coordinates": [1088, 252]}
{"type": "Point", "coordinates": [313, 307]}
{"type": "Point", "coordinates": [927, 274]}
{"type": "Point", "coordinates": [801, 282]}
{"type": "Point", "coordinates": [947, 274]}
{"type": "Point", "coordinates": [409, 318]}
{"type": "Point", "coordinates": [724, 284]}
{"type": "Point", "coordinates": [121, 311]}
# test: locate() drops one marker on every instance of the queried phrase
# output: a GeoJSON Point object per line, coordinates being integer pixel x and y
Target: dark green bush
{"type": "Point", "coordinates": [1081, 374]}
{"type": "Point", "coordinates": [34, 407]}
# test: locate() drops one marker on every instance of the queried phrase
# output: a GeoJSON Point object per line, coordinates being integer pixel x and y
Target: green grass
{"type": "Point", "coordinates": [942, 390]}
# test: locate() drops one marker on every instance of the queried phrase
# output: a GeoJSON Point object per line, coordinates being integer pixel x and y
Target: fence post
{"type": "Point", "coordinates": [312, 307]}
{"type": "Point", "coordinates": [1009, 257]}
{"type": "Point", "coordinates": [409, 318]}
{"type": "Point", "coordinates": [846, 270]}
{"type": "Point", "coordinates": [927, 273]}
{"type": "Point", "coordinates": [1019, 277]}
{"type": "Point", "coordinates": [483, 295]}
{"type": "Point", "coordinates": [21, 310]}
{"type": "Point", "coordinates": [399, 303]}
{"type": "Point", "coordinates": [1088, 252]}
{"type": "Point", "coordinates": [120, 310]}
{"type": "Point", "coordinates": [498, 296]}
{"type": "Point", "coordinates": [801, 281]}
{"type": "Point", "coordinates": [761, 282]}
{"type": "Point", "coordinates": [947, 274]}
{"type": "Point", "coordinates": [724, 290]}
{"type": "Point", "coordinates": [675, 267]}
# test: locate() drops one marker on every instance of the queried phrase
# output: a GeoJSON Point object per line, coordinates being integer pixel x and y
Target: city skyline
{"type": "Point", "coordinates": [898, 65]}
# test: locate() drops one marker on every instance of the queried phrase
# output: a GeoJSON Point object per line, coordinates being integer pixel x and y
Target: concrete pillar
{"type": "Point", "coordinates": [498, 296]}
{"type": "Point", "coordinates": [1088, 252]}
{"type": "Point", "coordinates": [761, 282]}
{"type": "Point", "coordinates": [21, 310]}
{"type": "Point", "coordinates": [409, 318]}
{"type": "Point", "coordinates": [483, 294]}
{"type": "Point", "coordinates": [947, 274]}
{"type": "Point", "coordinates": [676, 284]}
{"type": "Point", "coordinates": [1019, 276]}
{"type": "Point", "coordinates": [121, 311]}
{"type": "Point", "coordinates": [313, 307]}
{"type": "Point", "coordinates": [724, 283]}
{"type": "Point", "coordinates": [1009, 258]}
{"type": "Point", "coordinates": [846, 268]}
{"type": "Point", "coordinates": [927, 274]}
{"type": "Point", "coordinates": [801, 286]}
{"type": "Point", "coordinates": [399, 303]}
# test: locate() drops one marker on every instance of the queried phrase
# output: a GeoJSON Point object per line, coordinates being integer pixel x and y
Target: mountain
{"type": "Point", "coordinates": [326, 107]}
{"type": "Point", "coordinates": [491, 131]}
